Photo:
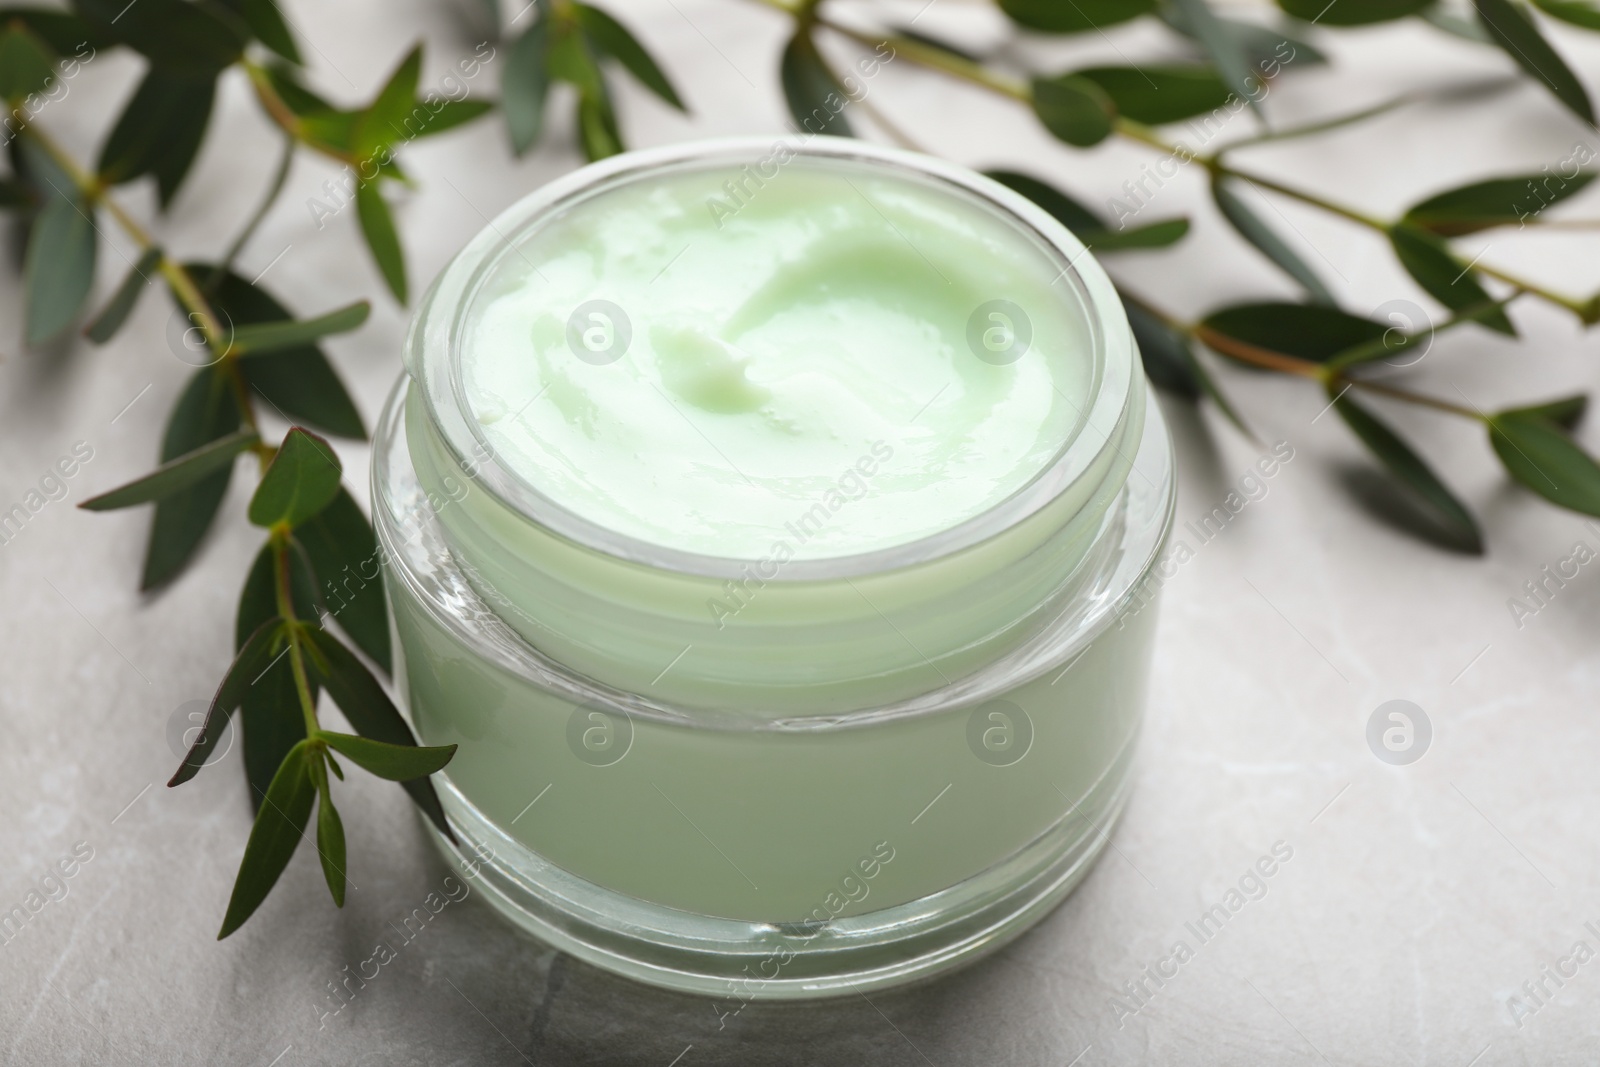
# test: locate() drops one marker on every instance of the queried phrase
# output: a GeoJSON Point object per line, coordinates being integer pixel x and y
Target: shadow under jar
{"type": "Point", "coordinates": [768, 525]}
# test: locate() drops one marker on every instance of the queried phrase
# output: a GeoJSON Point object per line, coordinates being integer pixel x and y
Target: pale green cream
{"type": "Point", "coordinates": [772, 345]}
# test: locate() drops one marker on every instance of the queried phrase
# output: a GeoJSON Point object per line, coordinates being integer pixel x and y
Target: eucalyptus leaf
{"type": "Point", "coordinates": [174, 35]}
{"type": "Point", "coordinates": [1074, 109]}
{"type": "Point", "coordinates": [1433, 266]}
{"type": "Point", "coordinates": [121, 305]}
{"type": "Point", "coordinates": [1312, 332]}
{"type": "Point", "coordinates": [1496, 202]}
{"type": "Point", "coordinates": [280, 823]}
{"type": "Point", "coordinates": [1263, 46]}
{"type": "Point", "coordinates": [377, 226]}
{"type": "Point", "coordinates": [1082, 221]}
{"type": "Point", "coordinates": [1510, 28]}
{"type": "Point", "coordinates": [448, 114]}
{"type": "Point", "coordinates": [344, 555]}
{"type": "Point", "coordinates": [58, 268]}
{"type": "Point", "coordinates": [524, 84]}
{"type": "Point", "coordinates": [205, 411]}
{"type": "Point", "coordinates": [397, 763]}
{"type": "Point", "coordinates": [809, 89]}
{"type": "Point", "coordinates": [1160, 93]}
{"type": "Point", "coordinates": [1167, 358]}
{"type": "Point", "coordinates": [298, 382]}
{"type": "Point", "coordinates": [383, 122]}
{"type": "Point", "coordinates": [1566, 412]}
{"type": "Point", "coordinates": [1537, 453]}
{"type": "Point", "coordinates": [1076, 16]}
{"type": "Point", "coordinates": [1266, 240]}
{"type": "Point", "coordinates": [160, 131]}
{"type": "Point", "coordinates": [26, 66]}
{"type": "Point", "coordinates": [330, 841]}
{"type": "Point", "coordinates": [597, 127]}
{"type": "Point", "coordinates": [612, 38]}
{"type": "Point", "coordinates": [64, 32]}
{"type": "Point", "coordinates": [369, 709]}
{"type": "Point", "coordinates": [300, 100]}
{"type": "Point", "coordinates": [302, 479]}
{"type": "Point", "coordinates": [1583, 13]}
{"type": "Point", "coordinates": [266, 22]}
{"type": "Point", "coordinates": [1352, 12]}
{"type": "Point", "coordinates": [1411, 471]}
{"type": "Point", "coordinates": [269, 711]}
{"type": "Point", "coordinates": [176, 475]}
{"type": "Point", "coordinates": [262, 337]}
{"type": "Point", "coordinates": [253, 658]}
{"type": "Point", "coordinates": [1224, 47]}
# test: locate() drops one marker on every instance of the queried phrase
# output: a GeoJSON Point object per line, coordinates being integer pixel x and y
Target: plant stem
{"type": "Point", "coordinates": [285, 601]}
{"type": "Point", "coordinates": [977, 74]}
{"type": "Point", "coordinates": [1405, 395]}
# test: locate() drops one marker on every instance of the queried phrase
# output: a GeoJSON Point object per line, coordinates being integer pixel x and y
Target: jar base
{"type": "Point", "coordinates": [743, 961]}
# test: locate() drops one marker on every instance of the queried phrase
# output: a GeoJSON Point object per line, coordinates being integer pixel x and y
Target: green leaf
{"type": "Point", "coordinates": [1314, 332]}
{"type": "Point", "coordinates": [302, 480]}
{"type": "Point", "coordinates": [252, 659]}
{"type": "Point", "coordinates": [1266, 240]}
{"type": "Point", "coordinates": [1158, 94]}
{"type": "Point", "coordinates": [273, 336]}
{"type": "Point", "coordinates": [1225, 49]}
{"type": "Point", "coordinates": [299, 383]}
{"type": "Point", "coordinates": [286, 83]}
{"type": "Point", "coordinates": [524, 84]}
{"type": "Point", "coordinates": [1074, 109]}
{"type": "Point", "coordinates": [14, 194]}
{"type": "Point", "coordinates": [58, 268]}
{"type": "Point", "coordinates": [1538, 454]}
{"type": "Point", "coordinates": [205, 411]}
{"type": "Point", "coordinates": [64, 33]}
{"type": "Point", "coordinates": [371, 712]}
{"type": "Point", "coordinates": [1352, 12]}
{"type": "Point", "coordinates": [1076, 16]}
{"type": "Point", "coordinates": [1510, 27]}
{"type": "Point", "coordinates": [179, 474]}
{"type": "Point", "coordinates": [449, 115]}
{"type": "Point", "coordinates": [1411, 471]}
{"type": "Point", "coordinates": [1433, 266]}
{"type": "Point", "coordinates": [377, 226]}
{"type": "Point", "coordinates": [612, 38]}
{"type": "Point", "coordinates": [173, 34]}
{"type": "Point", "coordinates": [808, 88]}
{"type": "Point", "coordinates": [397, 763]}
{"type": "Point", "coordinates": [269, 711]}
{"type": "Point", "coordinates": [1168, 360]}
{"type": "Point", "coordinates": [1067, 210]}
{"type": "Point", "coordinates": [121, 304]}
{"type": "Point", "coordinates": [1565, 412]}
{"type": "Point", "coordinates": [280, 823]}
{"type": "Point", "coordinates": [344, 554]}
{"type": "Point", "coordinates": [25, 64]}
{"type": "Point", "coordinates": [597, 127]}
{"type": "Point", "coordinates": [330, 837]}
{"type": "Point", "coordinates": [160, 130]}
{"type": "Point", "coordinates": [571, 58]}
{"type": "Point", "coordinates": [1497, 202]}
{"type": "Point", "coordinates": [1263, 46]}
{"type": "Point", "coordinates": [383, 123]}
{"type": "Point", "coordinates": [269, 27]}
{"type": "Point", "coordinates": [1578, 12]}
{"type": "Point", "coordinates": [1160, 234]}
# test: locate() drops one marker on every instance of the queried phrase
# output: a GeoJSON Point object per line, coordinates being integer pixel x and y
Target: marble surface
{"type": "Point", "coordinates": [1418, 898]}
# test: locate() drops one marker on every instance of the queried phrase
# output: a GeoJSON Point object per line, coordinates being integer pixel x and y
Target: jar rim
{"type": "Point", "coordinates": [433, 352]}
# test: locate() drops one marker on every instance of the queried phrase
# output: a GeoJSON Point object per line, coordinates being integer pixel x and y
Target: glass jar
{"type": "Point", "coordinates": [876, 767]}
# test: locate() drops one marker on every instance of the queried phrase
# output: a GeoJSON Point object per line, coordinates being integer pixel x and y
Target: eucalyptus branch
{"type": "Point", "coordinates": [274, 188]}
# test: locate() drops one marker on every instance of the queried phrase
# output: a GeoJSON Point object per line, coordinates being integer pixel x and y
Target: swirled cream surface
{"type": "Point", "coordinates": [719, 361]}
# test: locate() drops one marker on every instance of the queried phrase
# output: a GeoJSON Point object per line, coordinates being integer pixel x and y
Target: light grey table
{"type": "Point", "coordinates": [1418, 898]}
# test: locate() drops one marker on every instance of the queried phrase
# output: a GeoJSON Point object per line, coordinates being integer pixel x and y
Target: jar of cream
{"type": "Point", "coordinates": [768, 525]}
